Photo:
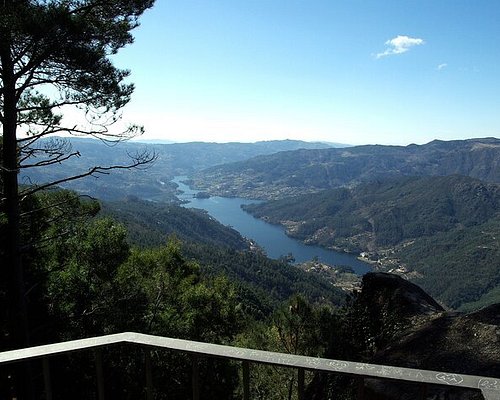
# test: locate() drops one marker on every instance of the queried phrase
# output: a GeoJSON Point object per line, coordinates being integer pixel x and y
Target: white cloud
{"type": "Point", "coordinates": [442, 66]}
{"type": "Point", "coordinates": [400, 44]}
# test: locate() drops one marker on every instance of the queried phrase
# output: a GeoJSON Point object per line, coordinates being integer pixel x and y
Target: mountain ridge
{"type": "Point", "coordinates": [307, 171]}
{"type": "Point", "coordinates": [153, 181]}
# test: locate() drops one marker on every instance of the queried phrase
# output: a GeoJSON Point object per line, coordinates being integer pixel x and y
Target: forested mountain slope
{"type": "Point", "coordinates": [150, 224]}
{"type": "Point", "coordinates": [152, 182]}
{"type": "Point", "coordinates": [89, 281]}
{"type": "Point", "coordinates": [219, 249]}
{"type": "Point", "coordinates": [264, 283]}
{"type": "Point", "coordinates": [384, 213]}
{"type": "Point", "coordinates": [443, 231]}
{"type": "Point", "coordinates": [295, 172]}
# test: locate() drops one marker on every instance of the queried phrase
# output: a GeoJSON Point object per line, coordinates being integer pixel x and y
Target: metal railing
{"type": "Point", "coordinates": [489, 387]}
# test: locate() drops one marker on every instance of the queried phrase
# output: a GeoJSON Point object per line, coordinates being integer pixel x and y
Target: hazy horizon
{"type": "Point", "coordinates": [141, 139]}
{"type": "Point", "coordinates": [353, 72]}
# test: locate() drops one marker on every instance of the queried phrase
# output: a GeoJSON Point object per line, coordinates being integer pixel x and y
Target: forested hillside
{"type": "Point", "coordinates": [443, 231]}
{"type": "Point", "coordinates": [460, 267]}
{"type": "Point", "coordinates": [88, 280]}
{"type": "Point", "coordinates": [220, 250]}
{"type": "Point", "coordinates": [303, 171]}
{"type": "Point", "coordinates": [384, 213]}
{"type": "Point", "coordinates": [150, 224]}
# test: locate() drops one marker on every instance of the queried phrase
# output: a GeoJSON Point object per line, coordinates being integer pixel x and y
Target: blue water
{"type": "Point", "coordinates": [271, 238]}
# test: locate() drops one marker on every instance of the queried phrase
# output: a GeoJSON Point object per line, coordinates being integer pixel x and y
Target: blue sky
{"type": "Point", "coordinates": [388, 72]}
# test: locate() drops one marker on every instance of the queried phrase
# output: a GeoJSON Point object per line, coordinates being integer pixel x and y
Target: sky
{"type": "Point", "coordinates": [346, 71]}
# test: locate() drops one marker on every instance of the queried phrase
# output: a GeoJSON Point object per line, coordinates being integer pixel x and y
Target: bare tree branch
{"type": "Point", "coordinates": [55, 160]}
{"type": "Point", "coordinates": [141, 160]}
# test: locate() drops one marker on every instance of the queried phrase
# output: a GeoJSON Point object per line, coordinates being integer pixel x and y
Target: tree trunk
{"type": "Point", "coordinates": [12, 269]}
{"type": "Point", "coordinates": [13, 265]}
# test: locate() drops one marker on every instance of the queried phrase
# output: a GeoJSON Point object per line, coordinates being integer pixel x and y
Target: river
{"type": "Point", "coordinates": [271, 238]}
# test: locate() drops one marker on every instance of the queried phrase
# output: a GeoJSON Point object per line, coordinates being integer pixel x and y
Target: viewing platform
{"type": "Point", "coordinates": [488, 386]}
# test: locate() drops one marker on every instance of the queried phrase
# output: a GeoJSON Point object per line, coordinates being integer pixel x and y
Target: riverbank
{"type": "Point", "coordinates": [271, 238]}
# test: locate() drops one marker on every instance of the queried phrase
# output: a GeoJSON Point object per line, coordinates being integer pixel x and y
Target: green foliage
{"type": "Point", "coordinates": [180, 303]}
{"type": "Point", "coordinates": [46, 219]}
{"type": "Point", "coordinates": [263, 283]}
{"type": "Point", "coordinates": [89, 281]}
{"type": "Point", "coordinates": [460, 266]}
{"type": "Point", "coordinates": [161, 293]}
{"type": "Point", "coordinates": [81, 273]}
{"type": "Point", "coordinates": [296, 327]}
{"type": "Point", "coordinates": [149, 224]}
{"type": "Point", "coordinates": [98, 285]}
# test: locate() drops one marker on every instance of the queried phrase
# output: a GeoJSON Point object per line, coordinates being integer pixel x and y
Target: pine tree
{"type": "Point", "coordinates": [54, 54]}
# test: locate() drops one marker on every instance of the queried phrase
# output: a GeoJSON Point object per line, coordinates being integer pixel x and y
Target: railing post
{"type": "Point", "coordinates": [423, 391]}
{"type": "Point", "coordinates": [46, 378]}
{"type": "Point", "coordinates": [149, 374]}
{"type": "Point", "coordinates": [300, 383]}
{"type": "Point", "coordinates": [246, 380]}
{"type": "Point", "coordinates": [361, 387]}
{"type": "Point", "coordinates": [99, 373]}
{"type": "Point", "coordinates": [196, 376]}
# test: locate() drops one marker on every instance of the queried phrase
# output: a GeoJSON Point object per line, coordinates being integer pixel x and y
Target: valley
{"type": "Point", "coordinates": [151, 182]}
{"type": "Point", "coordinates": [269, 238]}
{"type": "Point", "coordinates": [429, 213]}
{"type": "Point", "coordinates": [249, 200]}
{"type": "Point", "coordinates": [288, 174]}
{"type": "Point", "coordinates": [367, 269]}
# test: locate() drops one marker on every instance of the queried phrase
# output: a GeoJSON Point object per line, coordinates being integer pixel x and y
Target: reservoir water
{"type": "Point", "coordinates": [271, 238]}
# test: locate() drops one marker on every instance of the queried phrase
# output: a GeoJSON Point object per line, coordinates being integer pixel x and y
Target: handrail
{"type": "Point", "coordinates": [489, 386]}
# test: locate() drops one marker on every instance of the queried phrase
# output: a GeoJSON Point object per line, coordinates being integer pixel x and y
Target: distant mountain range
{"type": "Point", "coordinates": [153, 182]}
{"type": "Point", "coordinates": [430, 213]}
{"type": "Point", "coordinates": [304, 171]}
